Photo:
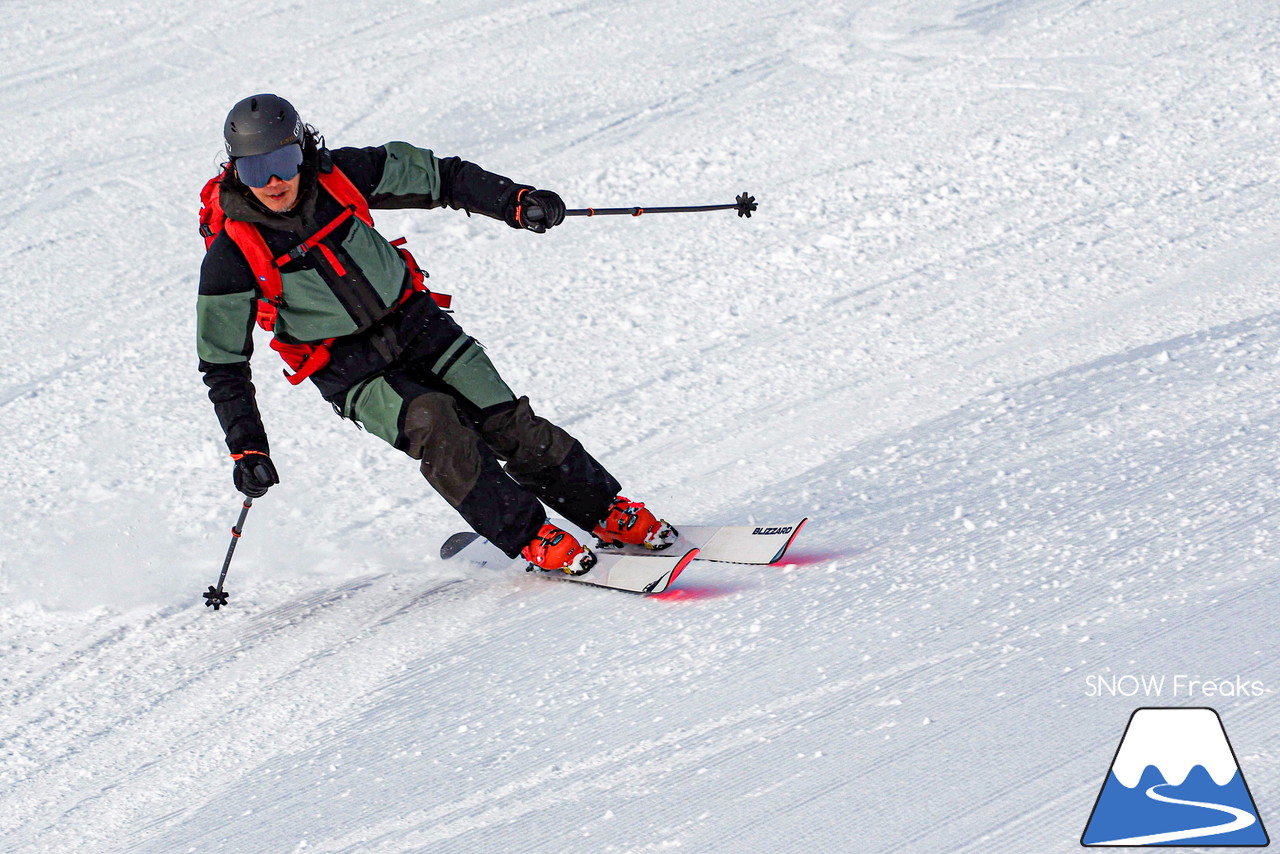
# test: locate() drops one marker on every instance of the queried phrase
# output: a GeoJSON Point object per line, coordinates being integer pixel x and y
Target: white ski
{"type": "Point", "coordinates": [754, 544]}
{"type": "Point", "coordinates": [616, 571]}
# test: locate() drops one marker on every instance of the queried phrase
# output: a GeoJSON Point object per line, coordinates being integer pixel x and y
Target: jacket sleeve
{"type": "Point", "coordinates": [225, 311]}
{"type": "Point", "coordinates": [399, 175]}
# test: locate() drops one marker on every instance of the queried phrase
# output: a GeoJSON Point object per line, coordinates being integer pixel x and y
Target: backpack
{"type": "Point", "coordinates": [304, 359]}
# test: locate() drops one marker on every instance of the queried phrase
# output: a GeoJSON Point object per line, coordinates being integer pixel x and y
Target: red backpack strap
{"type": "Point", "coordinates": [265, 271]}
{"type": "Point", "coordinates": [255, 250]}
{"type": "Point", "coordinates": [340, 187]}
{"type": "Point", "coordinates": [418, 276]}
{"type": "Point", "coordinates": [213, 221]}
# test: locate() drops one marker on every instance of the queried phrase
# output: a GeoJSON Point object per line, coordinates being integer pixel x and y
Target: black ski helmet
{"type": "Point", "coordinates": [260, 124]}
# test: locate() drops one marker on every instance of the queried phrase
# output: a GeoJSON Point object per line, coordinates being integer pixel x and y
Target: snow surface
{"type": "Point", "coordinates": [1007, 327]}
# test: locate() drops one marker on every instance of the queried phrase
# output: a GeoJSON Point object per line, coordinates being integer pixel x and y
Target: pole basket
{"type": "Point", "coordinates": [215, 598]}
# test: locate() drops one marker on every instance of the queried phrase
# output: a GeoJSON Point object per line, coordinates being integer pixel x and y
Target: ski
{"type": "Point", "coordinates": [632, 573]}
{"type": "Point", "coordinates": [760, 545]}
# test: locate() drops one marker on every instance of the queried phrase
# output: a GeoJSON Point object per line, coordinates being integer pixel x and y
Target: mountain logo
{"type": "Point", "coordinates": [1174, 781]}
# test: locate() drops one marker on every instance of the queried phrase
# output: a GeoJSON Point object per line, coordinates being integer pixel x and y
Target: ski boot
{"type": "Point", "coordinates": [556, 550]}
{"type": "Point", "coordinates": [628, 523]}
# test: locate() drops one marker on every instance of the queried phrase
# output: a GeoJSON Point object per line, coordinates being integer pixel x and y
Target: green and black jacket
{"type": "Point", "coordinates": [360, 308]}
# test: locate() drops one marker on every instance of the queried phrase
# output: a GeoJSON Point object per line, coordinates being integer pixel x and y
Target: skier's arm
{"type": "Point", "coordinates": [225, 312]}
{"type": "Point", "coordinates": [399, 175]}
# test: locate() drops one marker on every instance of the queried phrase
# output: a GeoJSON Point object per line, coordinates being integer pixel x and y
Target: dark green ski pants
{"type": "Point", "coordinates": [447, 407]}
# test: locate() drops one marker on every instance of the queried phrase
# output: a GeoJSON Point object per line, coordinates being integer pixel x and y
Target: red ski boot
{"type": "Point", "coordinates": [629, 523]}
{"type": "Point", "coordinates": [555, 550]}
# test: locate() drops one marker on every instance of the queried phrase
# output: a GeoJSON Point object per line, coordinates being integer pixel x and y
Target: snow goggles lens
{"type": "Point", "coordinates": [256, 170]}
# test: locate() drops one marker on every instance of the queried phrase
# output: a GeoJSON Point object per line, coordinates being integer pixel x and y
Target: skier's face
{"type": "Point", "coordinates": [279, 196]}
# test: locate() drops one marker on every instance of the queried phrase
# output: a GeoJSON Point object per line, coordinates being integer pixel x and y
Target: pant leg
{"type": "Point", "coordinates": [539, 454]}
{"type": "Point", "coordinates": [427, 424]}
{"type": "Point", "coordinates": [551, 463]}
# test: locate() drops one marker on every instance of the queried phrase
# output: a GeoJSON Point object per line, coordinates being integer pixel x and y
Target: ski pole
{"type": "Point", "coordinates": [744, 205]}
{"type": "Point", "coordinates": [214, 597]}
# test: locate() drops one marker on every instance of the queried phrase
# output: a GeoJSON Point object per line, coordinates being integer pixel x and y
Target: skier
{"type": "Point", "coordinates": [383, 353]}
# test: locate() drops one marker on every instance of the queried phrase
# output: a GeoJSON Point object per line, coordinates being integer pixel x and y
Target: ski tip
{"type": "Point", "coordinates": [791, 539]}
{"type": "Point", "coordinates": [457, 543]}
{"type": "Point", "coordinates": [670, 578]}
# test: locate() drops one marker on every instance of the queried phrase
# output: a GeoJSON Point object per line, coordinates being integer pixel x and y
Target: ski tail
{"type": "Point", "coordinates": [457, 543]}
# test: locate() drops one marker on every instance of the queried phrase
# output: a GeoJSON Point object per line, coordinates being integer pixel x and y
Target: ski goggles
{"type": "Point", "coordinates": [256, 169]}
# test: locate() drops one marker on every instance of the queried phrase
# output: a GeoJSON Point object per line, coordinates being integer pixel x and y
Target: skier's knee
{"type": "Point", "coordinates": [446, 446]}
{"type": "Point", "coordinates": [520, 435]}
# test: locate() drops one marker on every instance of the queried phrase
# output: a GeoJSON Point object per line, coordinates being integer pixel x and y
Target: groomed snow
{"type": "Point", "coordinates": [1006, 327]}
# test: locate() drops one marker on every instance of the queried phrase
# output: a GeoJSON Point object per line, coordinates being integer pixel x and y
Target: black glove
{"type": "Point", "coordinates": [254, 473]}
{"type": "Point", "coordinates": [538, 210]}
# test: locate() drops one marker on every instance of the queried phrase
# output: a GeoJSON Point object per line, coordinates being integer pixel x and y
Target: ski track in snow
{"type": "Point", "coordinates": [1005, 327]}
